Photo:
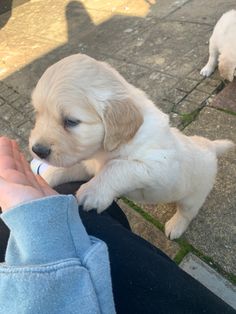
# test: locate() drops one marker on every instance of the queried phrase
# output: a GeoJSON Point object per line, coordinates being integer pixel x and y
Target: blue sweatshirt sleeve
{"type": "Point", "coordinates": [51, 264]}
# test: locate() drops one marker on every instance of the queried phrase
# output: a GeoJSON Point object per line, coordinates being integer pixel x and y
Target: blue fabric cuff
{"type": "Point", "coordinates": [45, 230]}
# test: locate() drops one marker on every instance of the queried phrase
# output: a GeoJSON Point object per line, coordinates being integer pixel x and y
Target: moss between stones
{"type": "Point", "coordinates": [225, 110]}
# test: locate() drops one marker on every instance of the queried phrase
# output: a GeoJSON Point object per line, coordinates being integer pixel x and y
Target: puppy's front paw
{"type": "Point", "coordinates": [91, 197]}
{"type": "Point", "coordinates": [176, 226]}
{"type": "Point", "coordinates": [206, 71]}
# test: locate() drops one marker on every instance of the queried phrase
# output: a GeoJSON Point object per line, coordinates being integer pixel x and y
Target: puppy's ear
{"type": "Point", "coordinates": [226, 68]}
{"type": "Point", "coordinates": [122, 120]}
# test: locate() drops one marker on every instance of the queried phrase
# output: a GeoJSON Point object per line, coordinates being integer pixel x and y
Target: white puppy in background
{"type": "Point", "coordinates": [222, 47]}
{"type": "Point", "coordinates": [93, 125]}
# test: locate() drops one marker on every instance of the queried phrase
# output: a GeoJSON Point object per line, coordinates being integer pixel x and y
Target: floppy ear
{"type": "Point", "coordinates": [226, 68]}
{"type": "Point", "coordinates": [122, 120]}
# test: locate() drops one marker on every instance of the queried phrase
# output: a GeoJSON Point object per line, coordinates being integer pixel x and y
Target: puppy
{"type": "Point", "coordinates": [91, 124]}
{"type": "Point", "coordinates": [222, 47]}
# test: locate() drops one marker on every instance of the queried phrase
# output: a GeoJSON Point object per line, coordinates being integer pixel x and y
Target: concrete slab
{"type": "Point", "coordinates": [226, 99]}
{"type": "Point", "coordinates": [209, 278]}
{"type": "Point", "coordinates": [148, 231]}
{"type": "Point", "coordinates": [169, 51]}
{"type": "Point", "coordinates": [196, 11]}
{"type": "Point", "coordinates": [164, 8]}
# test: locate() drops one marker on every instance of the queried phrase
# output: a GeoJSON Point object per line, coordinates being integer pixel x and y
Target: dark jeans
{"type": "Point", "coordinates": [144, 279]}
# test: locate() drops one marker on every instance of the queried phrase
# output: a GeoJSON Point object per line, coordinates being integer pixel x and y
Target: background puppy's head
{"type": "Point", "coordinates": [82, 106]}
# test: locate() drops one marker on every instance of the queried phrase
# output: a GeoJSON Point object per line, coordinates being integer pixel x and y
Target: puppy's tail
{"type": "Point", "coordinates": [222, 146]}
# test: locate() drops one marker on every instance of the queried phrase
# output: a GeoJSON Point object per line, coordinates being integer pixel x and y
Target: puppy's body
{"type": "Point", "coordinates": [222, 47]}
{"type": "Point", "coordinates": [123, 144]}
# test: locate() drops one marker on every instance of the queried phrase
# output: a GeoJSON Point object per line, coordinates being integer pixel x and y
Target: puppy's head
{"type": "Point", "coordinates": [82, 106]}
{"type": "Point", "coordinates": [227, 67]}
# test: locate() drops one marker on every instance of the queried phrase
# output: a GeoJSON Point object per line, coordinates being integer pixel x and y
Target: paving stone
{"type": "Point", "coordinates": [12, 97]}
{"type": "Point", "coordinates": [8, 5]}
{"type": "Point", "coordinates": [214, 124]}
{"type": "Point", "coordinates": [175, 120]}
{"type": "Point", "coordinates": [226, 99]}
{"type": "Point", "coordinates": [174, 95]}
{"type": "Point", "coordinates": [25, 79]}
{"type": "Point", "coordinates": [195, 75]}
{"type": "Point", "coordinates": [3, 87]}
{"type": "Point", "coordinates": [6, 130]}
{"type": "Point", "coordinates": [23, 105]}
{"type": "Point", "coordinates": [6, 93]}
{"type": "Point", "coordinates": [213, 231]}
{"type": "Point", "coordinates": [196, 11]}
{"type": "Point", "coordinates": [122, 34]}
{"type": "Point", "coordinates": [197, 97]}
{"type": "Point", "coordinates": [161, 212]}
{"type": "Point", "coordinates": [131, 72]}
{"type": "Point", "coordinates": [158, 85]}
{"type": "Point", "coordinates": [187, 63]}
{"type": "Point", "coordinates": [24, 130]}
{"type": "Point", "coordinates": [2, 101]}
{"type": "Point", "coordinates": [12, 132]}
{"type": "Point", "coordinates": [209, 86]}
{"type": "Point", "coordinates": [163, 8]}
{"type": "Point", "coordinates": [52, 26]}
{"type": "Point", "coordinates": [186, 106]}
{"type": "Point", "coordinates": [209, 278]}
{"type": "Point", "coordinates": [148, 231]}
{"type": "Point", "coordinates": [174, 40]}
{"type": "Point", "coordinates": [14, 51]}
{"type": "Point", "coordinates": [11, 115]}
{"type": "Point", "coordinates": [187, 85]}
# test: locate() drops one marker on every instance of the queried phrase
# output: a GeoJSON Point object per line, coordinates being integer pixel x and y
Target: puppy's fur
{"type": "Point", "coordinates": [222, 47]}
{"type": "Point", "coordinates": [123, 142]}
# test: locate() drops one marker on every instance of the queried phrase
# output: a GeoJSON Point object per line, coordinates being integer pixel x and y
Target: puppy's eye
{"type": "Point", "coordinates": [70, 123]}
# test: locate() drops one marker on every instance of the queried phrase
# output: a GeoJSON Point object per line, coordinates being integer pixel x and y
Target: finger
{"type": "Point", "coordinates": [6, 163]}
{"type": "Point", "coordinates": [2, 184]}
{"type": "Point", "coordinates": [17, 156]}
{"type": "Point", "coordinates": [28, 173]}
{"type": "Point", "coordinates": [47, 190]}
{"type": "Point", "coordinates": [2, 181]}
{"type": "Point", "coordinates": [5, 146]}
{"type": "Point", "coordinates": [4, 141]}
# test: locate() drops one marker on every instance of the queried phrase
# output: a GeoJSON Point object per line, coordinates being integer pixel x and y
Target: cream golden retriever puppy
{"type": "Point", "coordinates": [91, 124]}
{"type": "Point", "coordinates": [222, 47]}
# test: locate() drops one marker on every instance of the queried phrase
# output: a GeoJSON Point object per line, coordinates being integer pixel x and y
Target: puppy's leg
{"type": "Point", "coordinates": [117, 178]}
{"type": "Point", "coordinates": [186, 211]}
{"type": "Point", "coordinates": [209, 68]}
{"type": "Point", "coordinates": [55, 175]}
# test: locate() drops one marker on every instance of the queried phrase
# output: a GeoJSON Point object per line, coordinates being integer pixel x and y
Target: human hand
{"type": "Point", "coordinates": [18, 184]}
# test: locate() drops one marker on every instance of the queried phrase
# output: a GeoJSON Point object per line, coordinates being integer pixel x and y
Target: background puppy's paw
{"type": "Point", "coordinates": [206, 71]}
{"type": "Point", "coordinates": [176, 226]}
{"type": "Point", "coordinates": [90, 197]}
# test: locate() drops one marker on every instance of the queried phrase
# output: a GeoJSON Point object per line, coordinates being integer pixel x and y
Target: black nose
{"type": "Point", "coordinates": [41, 151]}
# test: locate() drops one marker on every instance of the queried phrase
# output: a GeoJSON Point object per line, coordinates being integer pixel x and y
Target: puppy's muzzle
{"type": "Point", "coordinates": [41, 151]}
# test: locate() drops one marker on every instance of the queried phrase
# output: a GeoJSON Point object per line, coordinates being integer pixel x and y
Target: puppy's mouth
{"type": "Point", "coordinates": [58, 161]}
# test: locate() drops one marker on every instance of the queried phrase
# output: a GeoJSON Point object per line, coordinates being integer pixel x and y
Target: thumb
{"type": "Point", "coordinates": [2, 192]}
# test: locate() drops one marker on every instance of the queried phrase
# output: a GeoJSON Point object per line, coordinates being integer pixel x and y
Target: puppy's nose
{"type": "Point", "coordinates": [41, 151]}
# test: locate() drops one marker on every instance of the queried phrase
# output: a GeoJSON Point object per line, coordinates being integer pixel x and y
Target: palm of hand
{"type": "Point", "coordinates": [17, 182]}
